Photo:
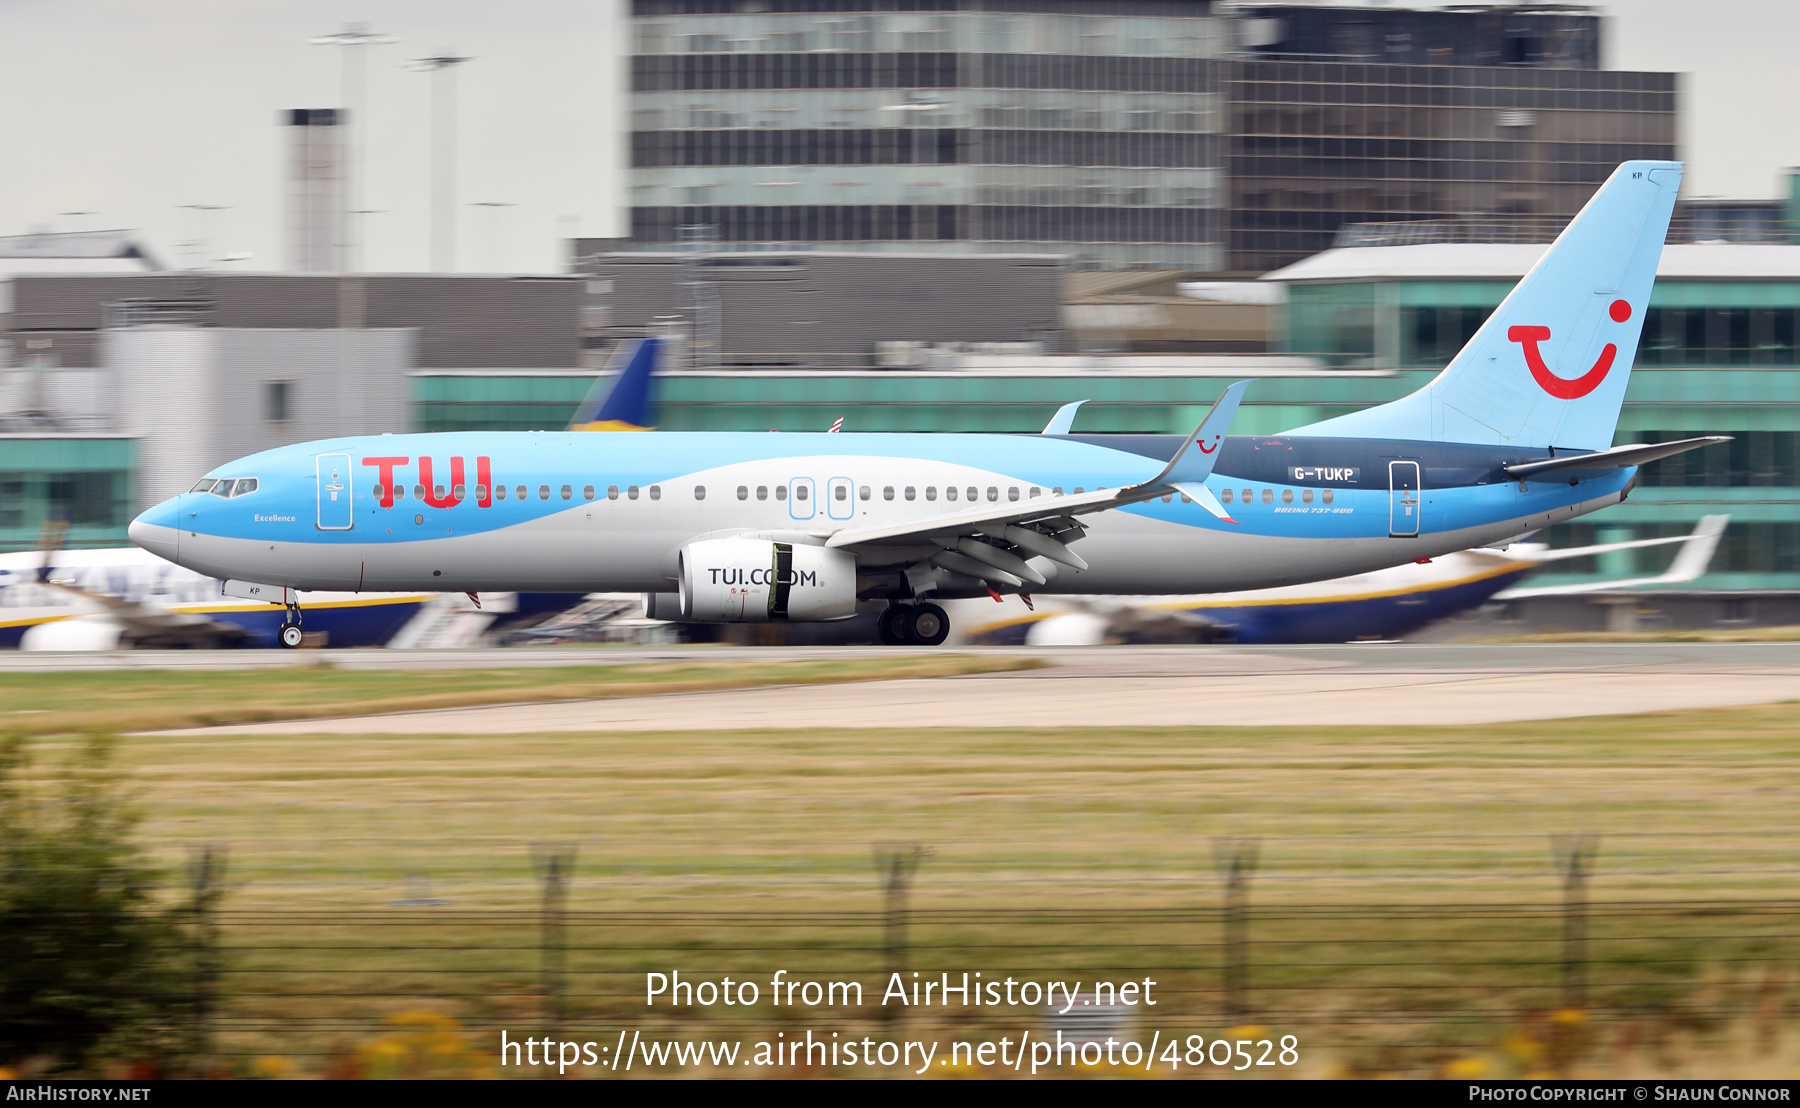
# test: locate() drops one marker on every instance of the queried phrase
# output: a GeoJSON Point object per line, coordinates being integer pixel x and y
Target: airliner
{"type": "Point", "coordinates": [1514, 435]}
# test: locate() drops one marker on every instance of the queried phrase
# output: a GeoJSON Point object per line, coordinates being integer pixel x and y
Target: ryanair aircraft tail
{"type": "Point", "coordinates": [628, 405]}
{"type": "Point", "coordinates": [1549, 367]}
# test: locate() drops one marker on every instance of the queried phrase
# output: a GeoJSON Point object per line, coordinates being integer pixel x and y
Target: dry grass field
{"type": "Point", "coordinates": [1404, 912]}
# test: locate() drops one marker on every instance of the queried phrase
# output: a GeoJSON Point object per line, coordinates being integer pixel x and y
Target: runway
{"type": "Point", "coordinates": [1381, 685]}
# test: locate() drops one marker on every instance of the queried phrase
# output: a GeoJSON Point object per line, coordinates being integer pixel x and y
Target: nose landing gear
{"type": "Point", "coordinates": [913, 625]}
{"type": "Point", "coordinates": [291, 635]}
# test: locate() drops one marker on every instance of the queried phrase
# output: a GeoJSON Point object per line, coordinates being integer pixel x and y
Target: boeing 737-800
{"type": "Point", "coordinates": [1514, 435]}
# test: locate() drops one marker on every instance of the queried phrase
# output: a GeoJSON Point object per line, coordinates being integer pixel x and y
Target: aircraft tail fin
{"type": "Point", "coordinates": [624, 400]}
{"type": "Point", "coordinates": [1549, 367]}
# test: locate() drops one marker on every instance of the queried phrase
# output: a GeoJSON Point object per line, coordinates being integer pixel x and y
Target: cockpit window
{"type": "Point", "coordinates": [205, 484]}
{"type": "Point", "coordinates": [229, 487]}
{"type": "Point", "coordinates": [223, 488]}
{"type": "Point", "coordinates": [245, 485]}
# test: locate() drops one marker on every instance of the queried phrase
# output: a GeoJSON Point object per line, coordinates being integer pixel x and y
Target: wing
{"type": "Point", "coordinates": [992, 543]}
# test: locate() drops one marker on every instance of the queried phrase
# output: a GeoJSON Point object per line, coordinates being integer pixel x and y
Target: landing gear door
{"type": "Point", "coordinates": [1403, 499]}
{"type": "Point", "coordinates": [333, 472]}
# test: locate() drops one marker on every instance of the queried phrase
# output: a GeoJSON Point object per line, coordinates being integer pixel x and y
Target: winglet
{"type": "Point", "coordinates": [1197, 465]}
{"type": "Point", "coordinates": [1063, 419]}
{"type": "Point", "coordinates": [628, 404]}
{"type": "Point", "coordinates": [1697, 552]}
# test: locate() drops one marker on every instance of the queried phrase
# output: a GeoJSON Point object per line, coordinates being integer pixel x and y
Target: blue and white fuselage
{"type": "Point", "coordinates": [1514, 435]}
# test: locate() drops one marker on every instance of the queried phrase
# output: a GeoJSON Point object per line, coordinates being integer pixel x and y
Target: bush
{"type": "Point", "coordinates": [93, 967]}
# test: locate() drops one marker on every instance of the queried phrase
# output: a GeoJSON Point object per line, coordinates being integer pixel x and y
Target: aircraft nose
{"type": "Point", "coordinates": [158, 530]}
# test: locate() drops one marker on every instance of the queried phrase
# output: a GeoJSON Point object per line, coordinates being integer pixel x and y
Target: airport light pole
{"type": "Point", "coordinates": [353, 36]}
{"type": "Point", "coordinates": [442, 66]}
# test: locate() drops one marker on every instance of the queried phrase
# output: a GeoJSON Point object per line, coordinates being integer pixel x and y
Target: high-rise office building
{"type": "Point", "coordinates": [1144, 133]}
{"type": "Point", "coordinates": [315, 190]}
{"type": "Point", "coordinates": [1075, 127]}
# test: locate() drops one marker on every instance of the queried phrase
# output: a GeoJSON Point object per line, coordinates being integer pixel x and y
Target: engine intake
{"type": "Point", "coordinates": [755, 581]}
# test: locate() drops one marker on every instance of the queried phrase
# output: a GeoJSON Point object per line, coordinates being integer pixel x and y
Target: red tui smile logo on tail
{"type": "Point", "coordinates": [1561, 387]}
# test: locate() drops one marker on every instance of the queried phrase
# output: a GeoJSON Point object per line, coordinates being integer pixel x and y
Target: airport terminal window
{"type": "Point", "coordinates": [699, 492]}
{"type": "Point", "coordinates": [743, 492]}
{"type": "Point", "coordinates": [781, 492]}
{"type": "Point", "coordinates": [656, 492]}
{"type": "Point", "coordinates": [543, 492]}
{"type": "Point", "coordinates": [567, 492]}
{"type": "Point", "coordinates": [276, 396]}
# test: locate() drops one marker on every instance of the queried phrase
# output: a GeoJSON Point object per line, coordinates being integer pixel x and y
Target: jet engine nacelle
{"type": "Point", "coordinates": [755, 581]}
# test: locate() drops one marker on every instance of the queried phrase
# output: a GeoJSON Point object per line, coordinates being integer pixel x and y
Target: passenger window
{"type": "Point", "coordinates": [762, 492]}
{"type": "Point", "coordinates": [1012, 492]}
{"type": "Point", "coordinates": [543, 492]}
{"type": "Point", "coordinates": [458, 491]}
{"type": "Point", "coordinates": [245, 485]}
{"type": "Point", "coordinates": [841, 493]}
{"type": "Point", "coordinates": [1079, 490]}
{"type": "Point", "coordinates": [887, 492]}
{"type": "Point", "coordinates": [1268, 496]}
{"type": "Point", "coordinates": [379, 492]}
{"type": "Point", "coordinates": [781, 492]}
{"type": "Point", "coordinates": [631, 492]}
{"type": "Point", "coordinates": [909, 492]}
{"type": "Point", "coordinates": [1287, 496]}
{"type": "Point", "coordinates": [800, 492]}
{"type": "Point", "coordinates": [1225, 496]}
{"type": "Point", "coordinates": [438, 490]}
{"type": "Point", "coordinates": [481, 492]}
{"type": "Point", "coordinates": [400, 492]}
{"type": "Point", "coordinates": [994, 494]}
{"type": "Point", "coordinates": [949, 492]}
{"type": "Point", "coordinates": [587, 492]}
{"type": "Point", "coordinates": [656, 492]}
{"type": "Point", "coordinates": [975, 494]}
{"type": "Point", "coordinates": [205, 484]}
{"type": "Point", "coordinates": [1306, 497]}
{"type": "Point", "coordinates": [1248, 496]}
{"type": "Point", "coordinates": [1056, 491]}
{"type": "Point", "coordinates": [1325, 496]}
{"type": "Point", "coordinates": [931, 492]}
{"type": "Point", "coordinates": [863, 492]}
{"type": "Point", "coordinates": [519, 492]}
{"type": "Point", "coordinates": [1035, 491]}
{"type": "Point", "coordinates": [499, 492]}
{"type": "Point", "coordinates": [699, 492]}
{"type": "Point", "coordinates": [568, 493]}
{"type": "Point", "coordinates": [743, 492]}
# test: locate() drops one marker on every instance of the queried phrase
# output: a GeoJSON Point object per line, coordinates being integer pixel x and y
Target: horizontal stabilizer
{"type": "Point", "coordinates": [1634, 454]}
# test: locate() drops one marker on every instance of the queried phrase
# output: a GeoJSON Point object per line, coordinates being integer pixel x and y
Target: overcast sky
{"type": "Point", "coordinates": [132, 108]}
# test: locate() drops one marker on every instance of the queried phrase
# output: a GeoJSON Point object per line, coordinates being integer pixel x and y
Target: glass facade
{"type": "Point", "coordinates": [1316, 145]}
{"type": "Point", "coordinates": [1096, 134]}
{"type": "Point", "coordinates": [85, 482]}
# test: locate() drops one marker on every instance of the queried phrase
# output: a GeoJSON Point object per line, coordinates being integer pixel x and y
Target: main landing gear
{"type": "Point", "coordinates": [291, 635]}
{"type": "Point", "coordinates": [913, 625]}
